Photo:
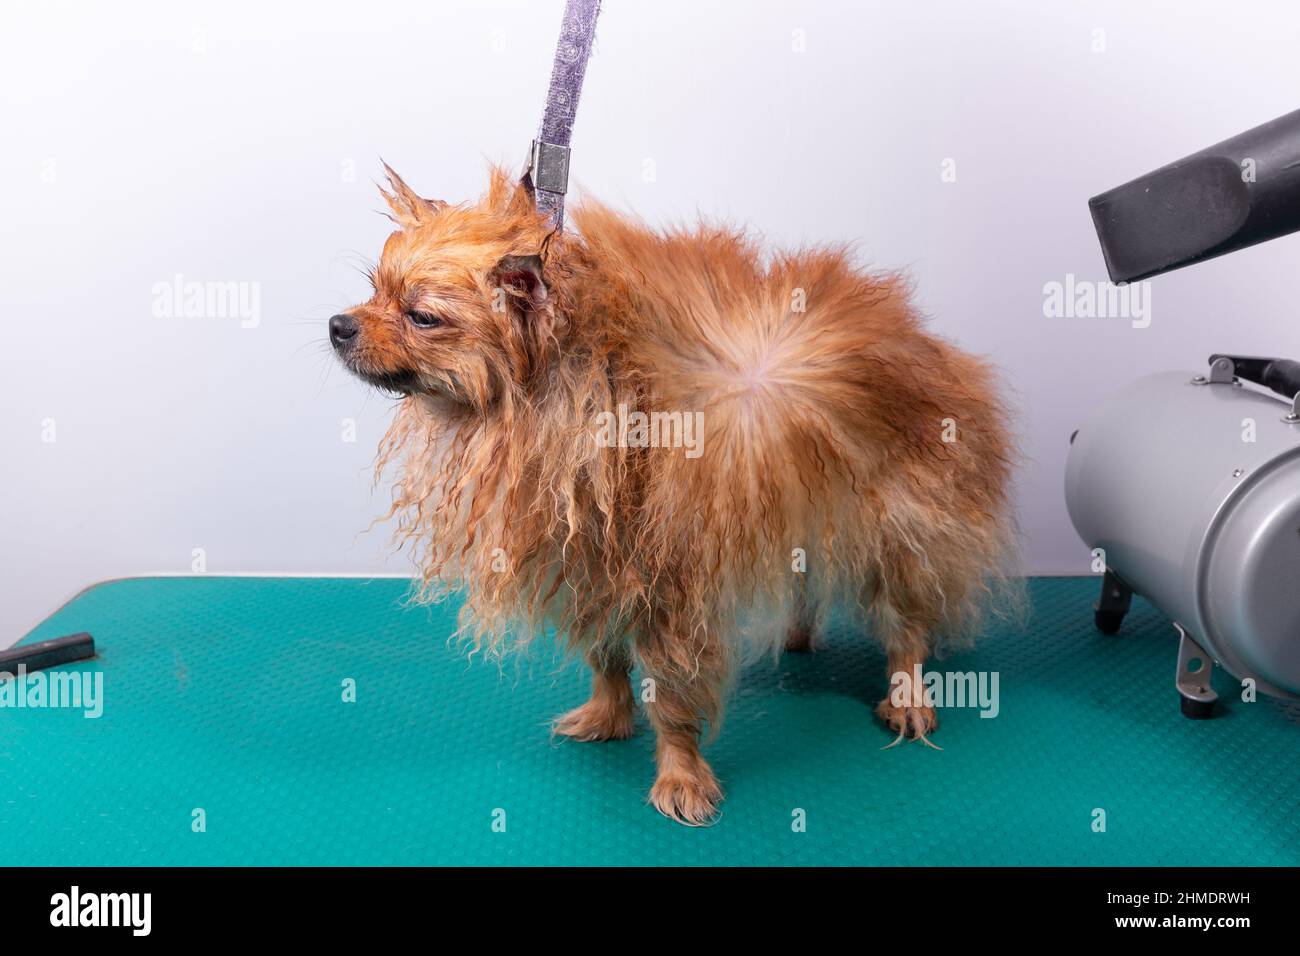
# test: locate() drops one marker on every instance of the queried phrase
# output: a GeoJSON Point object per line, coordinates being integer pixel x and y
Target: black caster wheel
{"type": "Point", "coordinates": [1196, 709]}
{"type": "Point", "coordinates": [1108, 622]}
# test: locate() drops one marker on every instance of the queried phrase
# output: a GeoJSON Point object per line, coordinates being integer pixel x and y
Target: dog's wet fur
{"type": "Point", "coordinates": [848, 455]}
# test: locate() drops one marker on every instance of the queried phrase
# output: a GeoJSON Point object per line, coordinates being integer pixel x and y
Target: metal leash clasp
{"type": "Point", "coordinates": [548, 167]}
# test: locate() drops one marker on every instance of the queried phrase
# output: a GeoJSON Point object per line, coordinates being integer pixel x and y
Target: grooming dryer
{"type": "Point", "coordinates": [1187, 485]}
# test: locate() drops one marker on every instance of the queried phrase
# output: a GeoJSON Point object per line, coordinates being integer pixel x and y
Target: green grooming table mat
{"type": "Point", "coordinates": [226, 695]}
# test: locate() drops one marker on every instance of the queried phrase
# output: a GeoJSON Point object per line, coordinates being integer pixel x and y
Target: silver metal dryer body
{"type": "Point", "coordinates": [1190, 484]}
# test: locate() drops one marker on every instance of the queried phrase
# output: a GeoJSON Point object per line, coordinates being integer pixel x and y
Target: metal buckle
{"type": "Point", "coordinates": [549, 167]}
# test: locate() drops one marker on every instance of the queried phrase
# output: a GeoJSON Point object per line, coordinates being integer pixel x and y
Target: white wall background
{"type": "Point", "coordinates": [216, 141]}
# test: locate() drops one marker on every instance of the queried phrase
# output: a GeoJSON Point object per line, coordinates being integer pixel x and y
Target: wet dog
{"type": "Point", "coordinates": [659, 442]}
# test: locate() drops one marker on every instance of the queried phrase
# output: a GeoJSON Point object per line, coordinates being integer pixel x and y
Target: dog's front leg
{"type": "Point", "coordinates": [610, 714]}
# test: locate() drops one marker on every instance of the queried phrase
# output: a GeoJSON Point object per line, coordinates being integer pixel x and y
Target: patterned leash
{"type": "Point", "coordinates": [548, 163]}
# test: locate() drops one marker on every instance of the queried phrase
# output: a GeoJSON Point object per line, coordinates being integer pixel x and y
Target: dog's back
{"type": "Point", "coordinates": [836, 432]}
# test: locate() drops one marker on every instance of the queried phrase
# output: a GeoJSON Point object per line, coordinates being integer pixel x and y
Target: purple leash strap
{"type": "Point", "coordinates": [548, 164]}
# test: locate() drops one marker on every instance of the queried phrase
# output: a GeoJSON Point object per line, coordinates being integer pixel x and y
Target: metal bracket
{"type": "Point", "coordinates": [1194, 688]}
{"type": "Point", "coordinates": [548, 166]}
{"type": "Point", "coordinates": [1115, 601]}
{"type": "Point", "coordinates": [1293, 418]}
{"type": "Point", "coordinates": [1222, 372]}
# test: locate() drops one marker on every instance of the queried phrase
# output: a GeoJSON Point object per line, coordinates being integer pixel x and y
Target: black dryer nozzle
{"type": "Point", "coordinates": [1237, 193]}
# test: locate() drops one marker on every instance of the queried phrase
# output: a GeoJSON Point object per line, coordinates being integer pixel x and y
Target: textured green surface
{"type": "Point", "coordinates": [225, 694]}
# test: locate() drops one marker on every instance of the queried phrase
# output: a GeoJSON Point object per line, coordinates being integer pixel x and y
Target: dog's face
{"type": "Point", "coordinates": [459, 300]}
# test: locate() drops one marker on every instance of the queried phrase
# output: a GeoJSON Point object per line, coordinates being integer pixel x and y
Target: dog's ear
{"type": "Point", "coordinates": [409, 209]}
{"type": "Point", "coordinates": [523, 197]}
{"type": "Point", "coordinates": [523, 276]}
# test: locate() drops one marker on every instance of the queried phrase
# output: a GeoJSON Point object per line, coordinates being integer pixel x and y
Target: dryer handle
{"type": "Point", "coordinates": [1279, 375]}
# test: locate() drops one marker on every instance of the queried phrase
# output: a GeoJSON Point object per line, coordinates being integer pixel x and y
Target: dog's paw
{"type": "Point", "coordinates": [597, 719]}
{"type": "Point", "coordinates": [915, 723]}
{"type": "Point", "coordinates": [689, 798]}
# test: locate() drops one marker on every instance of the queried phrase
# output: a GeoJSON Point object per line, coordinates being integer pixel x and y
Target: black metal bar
{"type": "Point", "coordinates": [60, 650]}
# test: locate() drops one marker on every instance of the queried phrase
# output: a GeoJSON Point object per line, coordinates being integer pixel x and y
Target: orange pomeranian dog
{"type": "Point", "coordinates": [657, 443]}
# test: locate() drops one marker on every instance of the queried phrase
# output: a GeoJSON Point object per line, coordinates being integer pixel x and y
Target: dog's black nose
{"type": "Point", "coordinates": [342, 328]}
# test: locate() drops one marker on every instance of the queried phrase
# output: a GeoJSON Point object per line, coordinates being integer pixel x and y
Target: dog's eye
{"type": "Point", "coordinates": [424, 320]}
